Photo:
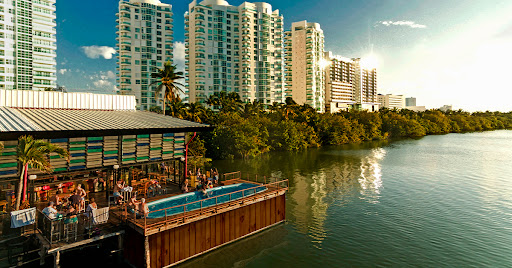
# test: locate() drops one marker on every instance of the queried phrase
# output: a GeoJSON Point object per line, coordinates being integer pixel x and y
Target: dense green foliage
{"type": "Point", "coordinates": [247, 129]}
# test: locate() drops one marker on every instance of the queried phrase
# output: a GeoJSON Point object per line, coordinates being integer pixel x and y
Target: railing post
{"type": "Point", "coordinates": [184, 209]}
{"type": "Point", "coordinates": [201, 202]}
{"type": "Point", "coordinates": [215, 200]}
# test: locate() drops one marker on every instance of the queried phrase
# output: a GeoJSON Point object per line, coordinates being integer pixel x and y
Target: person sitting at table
{"type": "Point", "coordinates": [76, 198]}
{"type": "Point", "coordinates": [50, 211]}
{"type": "Point", "coordinates": [56, 200]}
{"type": "Point", "coordinates": [91, 207]}
{"type": "Point", "coordinates": [117, 191]}
{"type": "Point", "coordinates": [154, 186]}
{"type": "Point", "coordinates": [125, 188]}
{"type": "Point", "coordinates": [71, 213]}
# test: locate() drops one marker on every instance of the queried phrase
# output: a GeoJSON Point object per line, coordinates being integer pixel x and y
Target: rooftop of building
{"type": "Point", "coordinates": [23, 120]}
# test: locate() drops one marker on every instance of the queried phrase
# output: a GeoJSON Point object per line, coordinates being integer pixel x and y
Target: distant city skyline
{"type": "Point", "coordinates": [439, 52]}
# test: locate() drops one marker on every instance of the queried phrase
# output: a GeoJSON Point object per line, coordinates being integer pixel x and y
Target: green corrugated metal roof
{"type": "Point", "coordinates": [17, 119]}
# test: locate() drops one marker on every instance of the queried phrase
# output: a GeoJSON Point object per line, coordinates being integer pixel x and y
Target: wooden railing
{"type": "Point", "coordinates": [272, 187]}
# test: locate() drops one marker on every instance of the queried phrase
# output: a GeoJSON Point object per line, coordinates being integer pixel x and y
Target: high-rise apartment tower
{"type": "Point", "coordinates": [144, 45]}
{"type": "Point", "coordinates": [27, 44]}
{"type": "Point", "coordinates": [349, 85]}
{"type": "Point", "coordinates": [234, 49]}
{"type": "Point", "coordinates": [305, 64]}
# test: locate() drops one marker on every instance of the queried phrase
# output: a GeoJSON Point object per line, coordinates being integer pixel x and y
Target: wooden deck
{"type": "Point", "coordinates": [151, 226]}
{"type": "Point", "coordinates": [170, 240]}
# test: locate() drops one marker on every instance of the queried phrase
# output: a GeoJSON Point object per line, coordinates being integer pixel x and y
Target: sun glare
{"type": "Point", "coordinates": [324, 63]}
{"type": "Point", "coordinates": [370, 62]}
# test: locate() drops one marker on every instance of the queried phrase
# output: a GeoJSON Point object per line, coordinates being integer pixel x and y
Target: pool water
{"type": "Point", "coordinates": [157, 208]}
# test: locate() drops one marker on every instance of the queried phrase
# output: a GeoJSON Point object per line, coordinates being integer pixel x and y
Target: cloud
{"type": "Point", "coordinates": [179, 55]}
{"type": "Point", "coordinates": [95, 52]}
{"type": "Point", "coordinates": [107, 75]}
{"type": "Point", "coordinates": [407, 23]}
{"type": "Point", "coordinates": [102, 84]}
{"type": "Point", "coordinates": [63, 71]}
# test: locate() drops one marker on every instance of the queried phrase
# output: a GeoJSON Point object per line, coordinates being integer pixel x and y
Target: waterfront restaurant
{"type": "Point", "coordinates": [109, 141]}
{"type": "Point", "coordinates": [104, 134]}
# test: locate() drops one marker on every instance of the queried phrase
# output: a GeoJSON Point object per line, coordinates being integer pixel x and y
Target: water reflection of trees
{"type": "Point", "coordinates": [320, 178]}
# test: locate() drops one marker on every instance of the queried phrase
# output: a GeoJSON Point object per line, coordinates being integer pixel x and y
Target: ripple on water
{"type": "Point", "coordinates": [440, 201]}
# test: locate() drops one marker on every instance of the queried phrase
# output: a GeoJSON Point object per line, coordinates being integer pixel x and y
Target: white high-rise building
{"type": "Point", "coordinates": [144, 45]}
{"type": "Point", "coordinates": [366, 84]}
{"type": "Point", "coordinates": [391, 101]}
{"type": "Point", "coordinates": [234, 49]}
{"type": "Point", "coordinates": [305, 64]}
{"type": "Point", "coordinates": [27, 44]}
{"type": "Point", "coordinates": [349, 85]}
{"type": "Point", "coordinates": [340, 88]}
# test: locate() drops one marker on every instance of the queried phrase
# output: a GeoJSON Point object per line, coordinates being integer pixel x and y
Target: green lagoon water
{"type": "Point", "coordinates": [440, 201]}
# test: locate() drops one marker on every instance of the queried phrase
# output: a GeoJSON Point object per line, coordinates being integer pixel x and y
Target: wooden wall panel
{"type": "Point", "coordinates": [185, 241]}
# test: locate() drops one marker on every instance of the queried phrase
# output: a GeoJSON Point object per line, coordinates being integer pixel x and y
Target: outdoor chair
{"type": "Point", "coordinates": [100, 216]}
{"type": "Point", "coordinates": [71, 230]}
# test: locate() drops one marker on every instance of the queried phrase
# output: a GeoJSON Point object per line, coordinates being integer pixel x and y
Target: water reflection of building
{"type": "Point", "coordinates": [335, 180]}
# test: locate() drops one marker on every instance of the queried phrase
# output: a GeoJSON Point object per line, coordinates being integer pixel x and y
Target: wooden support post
{"type": "Point", "coordinates": [42, 254]}
{"type": "Point", "coordinates": [120, 246]}
{"type": "Point", "coordinates": [146, 252]}
{"type": "Point", "coordinates": [57, 260]}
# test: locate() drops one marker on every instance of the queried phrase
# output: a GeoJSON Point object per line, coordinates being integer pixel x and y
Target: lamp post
{"type": "Point", "coordinates": [32, 179]}
{"type": "Point", "coordinates": [114, 177]}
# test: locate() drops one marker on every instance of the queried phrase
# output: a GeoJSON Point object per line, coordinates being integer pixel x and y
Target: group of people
{"type": "Point", "coordinates": [121, 187]}
{"type": "Point", "coordinates": [139, 208]}
{"type": "Point", "coordinates": [69, 208]}
{"type": "Point", "coordinates": [203, 182]}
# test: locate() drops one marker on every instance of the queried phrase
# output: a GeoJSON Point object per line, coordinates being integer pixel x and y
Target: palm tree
{"type": "Point", "coordinates": [177, 109]}
{"type": "Point", "coordinates": [168, 79]}
{"type": "Point", "coordinates": [196, 112]}
{"type": "Point", "coordinates": [289, 108]}
{"type": "Point", "coordinates": [252, 109]}
{"type": "Point", "coordinates": [228, 102]}
{"type": "Point", "coordinates": [155, 109]}
{"type": "Point", "coordinates": [34, 153]}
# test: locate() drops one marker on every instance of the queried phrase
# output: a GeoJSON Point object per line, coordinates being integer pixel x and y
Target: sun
{"type": "Point", "coordinates": [370, 62]}
{"type": "Point", "coordinates": [324, 63]}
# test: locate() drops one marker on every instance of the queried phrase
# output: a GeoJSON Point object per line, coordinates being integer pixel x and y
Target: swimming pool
{"type": "Point", "coordinates": [222, 194]}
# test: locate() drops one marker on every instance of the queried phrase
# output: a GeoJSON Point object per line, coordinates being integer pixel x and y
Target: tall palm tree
{"type": "Point", "coordinates": [32, 152]}
{"type": "Point", "coordinates": [168, 80]}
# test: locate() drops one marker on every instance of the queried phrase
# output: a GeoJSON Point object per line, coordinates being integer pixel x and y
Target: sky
{"type": "Point", "coordinates": [442, 52]}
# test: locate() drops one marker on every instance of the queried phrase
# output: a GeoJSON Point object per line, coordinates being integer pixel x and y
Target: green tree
{"type": "Point", "coordinates": [177, 109]}
{"type": "Point", "coordinates": [226, 102]}
{"type": "Point", "coordinates": [33, 153]}
{"type": "Point", "coordinates": [155, 109]}
{"type": "Point", "coordinates": [168, 80]}
{"type": "Point", "coordinates": [252, 109]}
{"type": "Point", "coordinates": [195, 112]}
